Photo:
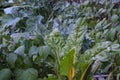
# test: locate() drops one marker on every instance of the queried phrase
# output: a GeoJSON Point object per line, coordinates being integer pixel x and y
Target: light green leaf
{"type": "Point", "coordinates": [33, 51]}
{"type": "Point", "coordinates": [20, 50]}
{"type": "Point", "coordinates": [44, 51]}
{"type": "Point", "coordinates": [67, 64]}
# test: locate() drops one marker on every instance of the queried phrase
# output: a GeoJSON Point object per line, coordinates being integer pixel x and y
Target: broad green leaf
{"type": "Point", "coordinates": [18, 73]}
{"type": "Point", "coordinates": [33, 51]}
{"type": "Point", "coordinates": [34, 24]}
{"type": "Point", "coordinates": [9, 10]}
{"type": "Point", "coordinates": [17, 36]}
{"type": "Point", "coordinates": [11, 59]}
{"type": "Point", "coordinates": [28, 44]}
{"type": "Point", "coordinates": [67, 65]}
{"type": "Point", "coordinates": [9, 20]}
{"type": "Point", "coordinates": [114, 18]}
{"type": "Point", "coordinates": [44, 51]}
{"type": "Point", "coordinates": [20, 50]}
{"type": "Point", "coordinates": [28, 74]}
{"type": "Point", "coordinates": [19, 62]}
{"type": "Point", "coordinates": [5, 74]}
{"type": "Point", "coordinates": [27, 61]}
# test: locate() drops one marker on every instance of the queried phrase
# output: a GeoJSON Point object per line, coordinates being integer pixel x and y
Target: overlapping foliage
{"type": "Point", "coordinates": [44, 40]}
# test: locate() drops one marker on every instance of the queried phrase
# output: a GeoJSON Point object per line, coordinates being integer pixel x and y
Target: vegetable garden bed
{"type": "Point", "coordinates": [59, 41]}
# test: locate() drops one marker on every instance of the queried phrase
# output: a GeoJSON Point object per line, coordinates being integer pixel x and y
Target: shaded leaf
{"type": "Point", "coordinates": [5, 74]}
{"type": "Point", "coordinates": [28, 44]}
{"type": "Point", "coordinates": [11, 59]}
{"type": "Point", "coordinates": [29, 74]}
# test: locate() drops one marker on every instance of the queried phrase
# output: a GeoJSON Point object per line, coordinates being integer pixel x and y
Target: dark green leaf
{"type": "Point", "coordinates": [28, 44]}
{"type": "Point", "coordinates": [5, 74]}
{"type": "Point", "coordinates": [29, 74]}
{"type": "Point", "coordinates": [11, 59]}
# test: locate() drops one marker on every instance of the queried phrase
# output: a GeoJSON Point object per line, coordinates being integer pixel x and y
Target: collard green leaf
{"type": "Point", "coordinates": [9, 20]}
{"type": "Point", "coordinates": [44, 51]}
{"type": "Point", "coordinates": [34, 24]}
{"type": "Point", "coordinates": [20, 50]}
{"type": "Point", "coordinates": [9, 10]}
{"type": "Point", "coordinates": [18, 73]}
{"type": "Point", "coordinates": [5, 74]}
{"type": "Point", "coordinates": [11, 59]}
{"type": "Point", "coordinates": [17, 36]}
{"type": "Point", "coordinates": [28, 44]}
{"type": "Point", "coordinates": [33, 50]}
{"type": "Point", "coordinates": [29, 74]}
{"type": "Point", "coordinates": [27, 61]}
